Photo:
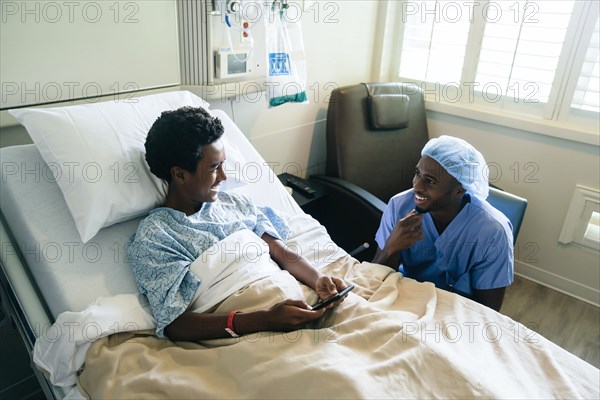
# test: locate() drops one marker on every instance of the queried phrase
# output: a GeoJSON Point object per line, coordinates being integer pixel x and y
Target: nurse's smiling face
{"type": "Point", "coordinates": [435, 189]}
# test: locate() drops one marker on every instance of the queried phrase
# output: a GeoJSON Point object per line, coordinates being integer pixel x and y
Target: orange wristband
{"type": "Point", "coordinates": [229, 328]}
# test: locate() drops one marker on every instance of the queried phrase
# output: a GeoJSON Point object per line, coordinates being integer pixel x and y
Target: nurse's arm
{"type": "Point", "coordinates": [385, 258]}
{"type": "Point", "coordinates": [490, 297]}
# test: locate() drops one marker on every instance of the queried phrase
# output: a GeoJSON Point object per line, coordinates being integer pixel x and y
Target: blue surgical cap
{"type": "Point", "coordinates": [462, 161]}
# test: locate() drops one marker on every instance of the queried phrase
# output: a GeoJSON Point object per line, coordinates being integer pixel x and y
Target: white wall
{"type": "Point", "coordinates": [338, 40]}
{"type": "Point", "coordinates": [60, 51]}
{"type": "Point", "coordinates": [545, 171]}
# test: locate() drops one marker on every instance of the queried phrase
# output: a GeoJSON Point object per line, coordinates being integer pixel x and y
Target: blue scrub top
{"type": "Point", "coordinates": [475, 251]}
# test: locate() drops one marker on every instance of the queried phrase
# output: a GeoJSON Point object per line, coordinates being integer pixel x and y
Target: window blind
{"type": "Point", "coordinates": [434, 41]}
{"type": "Point", "coordinates": [521, 47]}
{"type": "Point", "coordinates": [587, 94]}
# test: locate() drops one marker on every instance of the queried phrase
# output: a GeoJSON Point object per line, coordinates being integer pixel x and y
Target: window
{"type": "Point", "coordinates": [430, 42]}
{"type": "Point", "coordinates": [582, 222]}
{"type": "Point", "coordinates": [530, 57]}
{"type": "Point", "coordinates": [521, 47]}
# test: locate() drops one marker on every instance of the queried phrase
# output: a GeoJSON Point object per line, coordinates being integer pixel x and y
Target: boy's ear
{"type": "Point", "coordinates": [177, 174]}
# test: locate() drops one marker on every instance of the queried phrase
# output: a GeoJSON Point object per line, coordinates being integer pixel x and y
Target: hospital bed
{"type": "Point", "coordinates": [392, 337]}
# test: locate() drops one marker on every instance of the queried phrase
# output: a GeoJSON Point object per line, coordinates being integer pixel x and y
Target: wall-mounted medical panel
{"type": "Point", "coordinates": [222, 41]}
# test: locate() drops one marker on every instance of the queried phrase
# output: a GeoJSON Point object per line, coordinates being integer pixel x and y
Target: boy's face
{"type": "Point", "coordinates": [202, 185]}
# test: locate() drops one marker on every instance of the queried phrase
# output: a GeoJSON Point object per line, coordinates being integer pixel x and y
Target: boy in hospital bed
{"type": "Point", "coordinates": [183, 147]}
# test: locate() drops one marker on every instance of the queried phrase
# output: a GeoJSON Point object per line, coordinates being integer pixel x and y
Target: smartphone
{"type": "Point", "coordinates": [330, 300]}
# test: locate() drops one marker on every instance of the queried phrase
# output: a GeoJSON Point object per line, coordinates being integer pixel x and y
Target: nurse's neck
{"type": "Point", "coordinates": [443, 217]}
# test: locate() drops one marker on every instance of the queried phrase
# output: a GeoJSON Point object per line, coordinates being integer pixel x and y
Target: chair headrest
{"type": "Point", "coordinates": [388, 107]}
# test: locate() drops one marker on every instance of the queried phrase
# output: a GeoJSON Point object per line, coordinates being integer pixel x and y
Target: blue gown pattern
{"type": "Point", "coordinates": [168, 241]}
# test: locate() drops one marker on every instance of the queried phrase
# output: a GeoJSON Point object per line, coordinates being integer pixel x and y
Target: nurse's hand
{"type": "Point", "coordinates": [406, 233]}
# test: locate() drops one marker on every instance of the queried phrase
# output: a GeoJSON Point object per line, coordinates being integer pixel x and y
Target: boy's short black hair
{"type": "Point", "coordinates": [176, 139]}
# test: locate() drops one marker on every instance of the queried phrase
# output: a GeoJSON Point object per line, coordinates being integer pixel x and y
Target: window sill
{"type": "Point", "coordinates": [540, 126]}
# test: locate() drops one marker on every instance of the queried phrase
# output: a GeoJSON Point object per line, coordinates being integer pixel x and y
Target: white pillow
{"type": "Point", "coordinates": [96, 153]}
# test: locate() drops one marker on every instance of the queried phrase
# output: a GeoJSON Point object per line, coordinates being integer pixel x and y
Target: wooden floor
{"type": "Point", "coordinates": [570, 323]}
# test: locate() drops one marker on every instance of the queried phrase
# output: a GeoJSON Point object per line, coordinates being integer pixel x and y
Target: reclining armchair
{"type": "Point", "coordinates": [375, 133]}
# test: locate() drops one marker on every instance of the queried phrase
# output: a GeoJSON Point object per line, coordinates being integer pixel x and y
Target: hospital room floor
{"type": "Point", "coordinates": [572, 324]}
{"type": "Point", "coordinates": [568, 322]}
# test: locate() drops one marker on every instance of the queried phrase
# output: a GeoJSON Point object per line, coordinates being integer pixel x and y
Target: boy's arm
{"type": "Point", "coordinates": [282, 317]}
{"type": "Point", "coordinates": [295, 264]}
{"type": "Point", "coordinates": [301, 269]}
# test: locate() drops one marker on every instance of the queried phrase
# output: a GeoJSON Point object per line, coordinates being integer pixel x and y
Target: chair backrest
{"type": "Point", "coordinates": [375, 133]}
{"type": "Point", "coordinates": [510, 205]}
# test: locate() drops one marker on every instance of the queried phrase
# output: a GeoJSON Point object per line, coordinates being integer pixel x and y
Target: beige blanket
{"type": "Point", "coordinates": [391, 338]}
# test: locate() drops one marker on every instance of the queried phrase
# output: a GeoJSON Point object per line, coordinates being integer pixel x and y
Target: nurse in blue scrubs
{"type": "Point", "coordinates": [444, 231]}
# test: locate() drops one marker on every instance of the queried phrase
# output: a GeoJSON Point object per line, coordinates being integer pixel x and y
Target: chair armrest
{"type": "Point", "coordinates": [350, 214]}
{"type": "Point", "coordinates": [352, 190]}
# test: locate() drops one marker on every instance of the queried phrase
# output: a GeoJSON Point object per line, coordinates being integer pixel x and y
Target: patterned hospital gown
{"type": "Point", "coordinates": [168, 241]}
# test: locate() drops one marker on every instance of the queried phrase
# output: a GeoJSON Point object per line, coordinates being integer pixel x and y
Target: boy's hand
{"type": "Point", "coordinates": [328, 286]}
{"type": "Point", "coordinates": [290, 315]}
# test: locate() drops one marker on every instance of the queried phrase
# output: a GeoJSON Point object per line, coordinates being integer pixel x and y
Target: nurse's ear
{"type": "Point", "coordinates": [459, 191]}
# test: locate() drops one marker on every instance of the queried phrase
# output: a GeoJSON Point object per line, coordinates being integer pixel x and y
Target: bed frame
{"type": "Point", "coordinates": [22, 301]}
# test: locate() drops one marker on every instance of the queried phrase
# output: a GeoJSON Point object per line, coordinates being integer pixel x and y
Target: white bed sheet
{"type": "Point", "coordinates": [391, 338]}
